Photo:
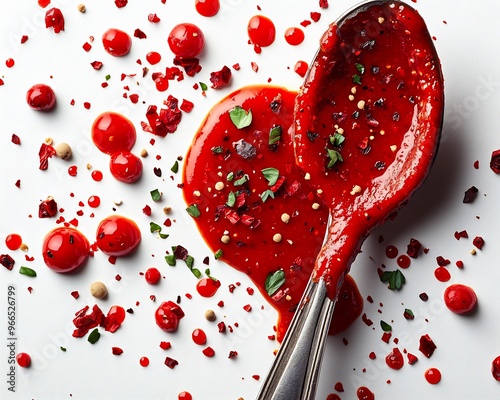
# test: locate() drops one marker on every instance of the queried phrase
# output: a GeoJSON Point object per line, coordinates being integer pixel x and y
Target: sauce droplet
{"type": "Point", "coordinates": [13, 241]}
{"type": "Point", "coordinates": [294, 36]}
{"type": "Point", "coordinates": [153, 57]}
{"type": "Point", "coordinates": [403, 261]}
{"type": "Point", "coordinates": [144, 361]}
{"type": "Point", "coordinates": [433, 376]}
{"type": "Point", "coordinates": [207, 8]}
{"type": "Point", "coordinates": [395, 359]}
{"type": "Point", "coordinates": [94, 201]}
{"type": "Point", "coordinates": [442, 274]}
{"type": "Point", "coordinates": [199, 337]}
{"type": "Point", "coordinates": [97, 175]}
{"type": "Point", "coordinates": [261, 31]}
{"type": "Point", "coordinates": [495, 368]}
{"type": "Point", "coordinates": [207, 287]}
{"type": "Point", "coordinates": [364, 393]}
{"type": "Point", "coordinates": [391, 251]}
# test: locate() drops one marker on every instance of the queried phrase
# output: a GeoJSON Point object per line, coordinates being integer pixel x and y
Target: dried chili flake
{"type": "Point", "coordinates": [222, 327]}
{"type": "Point", "coordinates": [171, 363]}
{"type": "Point", "coordinates": [180, 253]}
{"type": "Point", "coordinates": [47, 208]}
{"type": "Point", "coordinates": [470, 194]}
{"type": "Point", "coordinates": [478, 241]}
{"type": "Point", "coordinates": [147, 210]}
{"type": "Point", "coordinates": [495, 161]}
{"type": "Point", "coordinates": [413, 248]}
{"type": "Point", "coordinates": [84, 321]}
{"type": "Point", "coordinates": [315, 16]}
{"type": "Point", "coordinates": [46, 151]}
{"type": "Point", "coordinates": [140, 34]}
{"type": "Point", "coordinates": [97, 65]}
{"type": "Point", "coordinates": [412, 359]}
{"type": "Point", "coordinates": [305, 23]}
{"type": "Point", "coordinates": [426, 346]}
{"type": "Point", "coordinates": [15, 139]}
{"type": "Point", "coordinates": [75, 294]}
{"type": "Point", "coordinates": [87, 46]}
{"type": "Point", "coordinates": [386, 336]}
{"type": "Point", "coordinates": [247, 308]}
{"type": "Point", "coordinates": [167, 120]}
{"type": "Point", "coordinates": [442, 262]}
{"type": "Point", "coordinates": [220, 79]}
{"type": "Point", "coordinates": [121, 3]}
{"type": "Point", "coordinates": [116, 351]}
{"type": "Point", "coordinates": [191, 65]}
{"type": "Point", "coordinates": [209, 352]}
{"type": "Point", "coordinates": [186, 106]}
{"type": "Point", "coordinates": [153, 18]}
{"type": "Point", "coordinates": [54, 19]}
{"type": "Point", "coordinates": [7, 261]}
{"type": "Point", "coordinates": [255, 66]}
{"type": "Point", "coordinates": [323, 3]}
{"type": "Point", "coordinates": [462, 234]}
{"type": "Point", "coordinates": [232, 354]}
{"type": "Point", "coordinates": [24, 39]}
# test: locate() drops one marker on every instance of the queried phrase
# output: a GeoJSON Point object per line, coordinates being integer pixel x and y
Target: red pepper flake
{"type": "Point", "coordinates": [86, 105]}
{"type": "Point", "coordinates": [47, 208]}
{"type": "Point", "coordinates": [97, 65]}
{"type": "Point", "coordinates": [24, 39]}
{"type": "Point", "coordinates": [84, 322]}
{"type": "Point", "coordinates": [301, 68]}
{"type": "Point", "coordinates": [7, 261]}
{"type": "Point", "coordinates": [495, 161]}
{"type": "Point", "coordinates": [315, 16]}
{"type": "Point", "coordinates": [366, 320]}
{"type": "Point", "coordinates": [413, 248]}
{"type": "Point", "coordinates": [412, 359]}
{"type": "Point", "coordinates": [118, 278]}
{"type": "Point", "coordinates": [476, 164]}
{"type": "Point", "coordinates": [15, 139]}
{"type": "Point", "coordinates": [256, 377]}
{"type": "Point", "coordinates": [134, 98]}
{"type": "Point", "coordinates": [191, 65]}
{"type": "Point", "coordinates": [171, 363]}
{"type": "Point", "coordinates": [236, 67]}
{"type": "Point", "coordinates": [478, 241]}
{"type": "Point", "coordinates": [220, 303]}
{"type": "Point", "coordinates": [153, 18]}
{"type": "Point", "coordinates": [470, 194]}
{"type": "Point", "coordinates": [186, 106]}
{"type": "Point", "coordinates": [75, 294]}
{"type": "Point", "coordinates": [209, 352]}
{"type": "Point", "coordinates": [46, 151]}
{"type": "Point", "coordinates": [140, 34]}
{"type": "Point", "coordinates": [459, 264]}
{"type": "Point", "coordinates": [116, 351]}
{"type": "Point", "coordinates": [221, 325]}
{"type": "Point", "coordinates": [121, 3]}
{"type": "Point", "coordinates": [250, 291]}
{"type": "Point", "coordinates": [427, 346]}
{"type": "Point", "coordinates": [323, 3]}
{"type": "Point", "coordinates": [87, 46]}
{"type": "Point", "coordinates": [54, 19]}
{"type": "Point", "coordinates": [386, 337]}
{"type": "Point", "coordinates": [372, 355]}
{"type": "Point", "coordinates": [255, 67]}
{"type": "Point", "coordinates": [247, 308]}
{"type": "Point", "coordinates": [165, 345]}
{"type": "Point", "coordinates": [220, 79]}
{"type": "Point", "coordinates": [305, 23]}
{"type": "Point", "coordinates": [147, 210]}
{"type": "Point", "coordinates": [442, 262]}
{"type": "Point", "coordinates": [18, 183]}
{"type": "Point", "coordinates": [423, 296]}
{"type": "Point", "coordinates": [164, 122]}
{"type": "Point", "coordinates": [232, 354]}
{"type": "Point", "coordinates": [231, 288]}
{"type": "Point", "coordinates": [461, 234]}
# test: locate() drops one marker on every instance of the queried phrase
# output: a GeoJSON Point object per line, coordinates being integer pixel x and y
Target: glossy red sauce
{"type": "Point", "coordinates": [261, 31]}
{"type": "Point", "coordinates": [255, 236]}
{"type": "Point", "coordinates": [294, 36]}
{"type": "Point", "coordinates": [376, 83]}
{"type": "Point", "coordinates": [13, 241]}
{"type": "Point", "coordinates": [395, 359]}
{"type": "Point", "coordinates": [433, 376]}
{"type": "Point", "coordinates": [207, 287]}
{"type": "Point", "coordinates": [460, 299]}
{"type": "Point", "coordinates": [363, 393]}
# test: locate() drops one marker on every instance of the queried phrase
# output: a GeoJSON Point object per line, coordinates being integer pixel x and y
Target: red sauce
{"type": "Point", "coordinates": [116, 42]}
{"type": "Point", "coordinates": [433, 376]}
{"type": "Point", "coordinates": [207, 287]}
{"type": "Point", "coordinates": [117, 236]}
{"type": "Point", "coordinates": [97, 175]}
{"type": "Point", "coordinates": [23, 360]}
{"type": "Point", "coordinates": [185, 396]}
{"type": "Point", "coordinates": [364, 393]}
{"type": "Point", "coordinates": [294, 36]}
{"type": "Point", "coordinates": [375, 102]}
{"type": "Point", "coordinates": [112, 132]}
{"type": "Point", "coordinates": [153, 57]}
{"type": "Point", "coordinates": [391, 251]}
{"type": "Point", "coordinates": [94, 201]}
{"type": "Point", "coordinates": [442, 274]}
{"type": "Point", "coordinates": [395, 359]}
{"type": "Point", "coordinates": [255, 236]}
{"type": "Point", "coordinates": [261, 31]}
{"type": "Point", "coordinates": [144, 361]}
{"type": "Point", "coordinates": [41, 97]}
{"type": "Point", "coordinates": [65, 249]}
{"type": "Point", "coordinates": [13, 241]}
{"type": "Point", "coordinates": [403, 261]}
{"type": "Point", "coordinates": [333, 396]}
{"type": "Point", "coordinates": [199, 337]}
{"type": "Point", "coordinates": [301, 68]}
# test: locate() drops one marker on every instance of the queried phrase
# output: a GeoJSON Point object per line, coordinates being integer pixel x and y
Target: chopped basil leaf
{"type": "Point", "coordinates": [265, 195]}
{"type": "Point", "coordinates": [274, 281]}
{"type": "Point", "coordinates": [27, 271]}
{"type": "Point", "coordinates": [385, 326]}
{"type": "Point", "coordinates": [203, 86]}
{"type": "Point", "coordinates": [271, 175]}
{"type": "Point", "coordinates": [230, 176]}
{"type": "Point", "coordinates": [62, 348]}
{"type": "Point", "coordinates": [337, 139]}
{"type": "Point", "coordinates": [94, 336]}
{"type": "Point", "coordinates": [155, 195]}
{"type": "Point", "coordinates": [231, 199]}
{"type": "Point", "coordinates": [193, 210]}
{"type": "Point", "coordinates": [356, 79]}
{"type": "Point", "coordinates": [175, 167]}
{"type": "Point", "coordinates": [189, 261]}
{"type": "Point", "coordinates": [241, 181]}
{"type": "Point", "coordinates": [207, 272]}
{"type": "Point", "coordinates": [153, 227]}
{"type": "Point", "coordinates": [217, 150]}
{"type": "Point", "coordinates": [240, 117]}
{"type": "Point", "coordinates": [162, 235]}
{"type": "Point", "coordinates": [275, 134]}
{"type": "Point", "coordinates": [218, 254]}
{"type": "Point", "coordinates": [108, 77]}
{"type": "Point", "coordinates": [334, 156]}
{"type": "Point", "coordinates": [360, 68]}
{"type": "Point", "coordinates": [170, 259]}
{"type": "Point", "coordinates": [395, 279]}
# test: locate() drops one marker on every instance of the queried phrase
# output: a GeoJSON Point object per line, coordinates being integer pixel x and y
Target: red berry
{"type": "Point", "coordinates": [41, 97]}
{"type": "Point", "coordinates": [117, 236]}
{"type": "Point", "coordinates": [460, 299]}
{"type": "Point", "coordinates": [168, 315]}
{"type": "Point", "coordinates": [116, 42]}
{"type": "Point", "coordinates": [125, 166]}
{"type": "Point", "coordinates": [152, 276]}
{"type": "Point", "coordinates": [65, 249]}
{"type": "Point", "coordinates": [261, 31]}
{"type": "Point", "coordinates": [112, 132]}
{"type": "Point", "coordinates": [23, 360]}
{"type": "Point", "coordinates": [207, 8]}
{"type": "Point", "coordinates": [186, 40]}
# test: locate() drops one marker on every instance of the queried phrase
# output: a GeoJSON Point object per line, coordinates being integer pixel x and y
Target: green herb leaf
{"type": "Point", "coordinates": [334, 156]}
{"type": "Point", "coordinates": [271, 175]}
{"type": "Point", "coordinates": [265, 195]}
{"type": "Point", "coordinates": [395, 279]}
{"type": "Point", "coordinates": [360, 68]}
{"type": "Point", "coordinates": [153, 227]}
{"type": "Point", "coordinates": [163, 235]}
{"type": "Point", "coordinates": [241, 181]}
{"type": "Point", "coordinates": [189, 261]}
{"type": "Point", "coordinates": [337, 139]}
{"type": "Point", "coordinates": [27, 271]}
{"type": "Point", "coordinates": [155, 195]}
{"type": "Point", "coordinates": [62, 348]}
{"type": "Point", "coordinates": [203, 86]}
{"type": "Point", "coordinates": [170, 259]}
{"type": "Point", "coordinates": [207, 273]}
{"type": "Point", "coordinates": [193, 210]}
{"type": "Point", "coordinates": [240, 117]}
{"type": "Point", "coordinates": [230, 176]}
{"type": "Point", "coordinates": [218, 254]}
{"type": "Point", "coordinates": [356, 79]}
{"type": "Point", "coordinates": [275, 134]}
{"type": "Point", "coordinates": [385, 326]}
{"type": "Point", "coordinates": [217, 150]}
{"type": "Point", "coordinates": [274, 281]}
{"type": "Point", "coordinates": [108, 77]}
{"type": "Point", "coordinates": [231, 199]}
{"type": "Point", "coordinates": [175, 167]}
{"type": "Point", "coordinates": [94, 336]}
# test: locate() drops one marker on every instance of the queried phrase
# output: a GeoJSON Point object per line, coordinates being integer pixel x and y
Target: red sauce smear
{"type": "Point", "coordinates": [367, 123]}
{"type": "Point", "coordinates": [258, 234]}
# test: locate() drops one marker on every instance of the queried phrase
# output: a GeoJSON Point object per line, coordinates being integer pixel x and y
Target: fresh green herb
{"type": "Point", "coordinates": [265, 195]}
{"type": "Point", "coordinates": [240, 117]}
{"type": "Point", "coordinates": [395, 279]}
{"type": "Point", "coordinates": [190, 262]}
{"type": "Point", "coordinates": [360, 68]}
{"type": "Point", "coordinates": [162, 235]}
{"type": "Point", "coordinates": [203, 86]}
{"type": "Point", "coordinates": [27, 271]}
{"type": "Point", "coordinates": [337, 139]}
{"type": "Point", "coordinates": [170, 259]}
{"type": "Point", "coordinates": [241, 181]}
{"type": "Point", "coordinates": [230, 176]}
{"type": "Point", "coordinates": [207, 272]}
{"type": "Point", "coordinates": [193, 210]}
{"type": "Point", "coordinates": [334, 156]}
{"type": "Point", "coordinates": [108, 77]}
{"type": "Point", "coordinates": [62, 348]}
{"type": "Point", "coordinates": [218, 254]}
{"type": "Point", "coordinates": [231, 199]}
{"type": "Point", "coordinates": [94, 336]}
{"type": "Point", "coordinates": [275, 134]}
{"type": "Point", "coordinates": [217, 149]}
{"type": "Point", "coordinates": [154, 227]}
{"type": "Point", "coordinates": [274, 281]}
{"type": "Point", "coordinates": [385, 326]}
{"type": "Point", "coordinates": [356, 79]}
{"type": "Point", "coordinates": [155, 195]}
{"type": "Point", "coordinates": [271, 175]}
{"type": "Point", "coordinates": [175, 167]}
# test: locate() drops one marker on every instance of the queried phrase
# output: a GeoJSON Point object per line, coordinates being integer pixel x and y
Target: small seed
{"type": "Point", "coordinates": [394, 148]}
{"type": "Point", "coordinates": [277, 237]}
{"type": "Point", "coordinates": [210, 315]}
{"type": "Point", "coordinates": [381, 20]}
{"type": "Point", "coordinates": [63, 151]}
{"type": "Point", "coordinates": [288, 297]}
{"type": "Point", "coordinates": [167, 210]}
{"type": "Point", "coordinates": [144, 153]}
{"type": "Point", "coordinates": [361, 104]}
{"type": "Point", "coordinates": [197, 193]}
{"type": "Point", "coordinates": [351, 97]}
{"type": "Point", "coordinates": [98, 290]}
{"type": "Point", "coordinates": [24, 247]}
{"type": "Point", "coordinates": [219, 186]}
{"type": "Point", "coordinates": [48, 141]}
{"type": "Point", "coordinates": [307, 176]}
{"type": "Point", "coordinates": [89, 166]}
{"type": "Point", "coordinates": [82, 8]}
{"type": "Point", "coordinates": [225, 239]}
{"type": "Point", "coordinates": [356, 189]}
{"type": "Point", "coordinates": [315, 206]}
{"type": "Point", "coordinates": [285, 218]}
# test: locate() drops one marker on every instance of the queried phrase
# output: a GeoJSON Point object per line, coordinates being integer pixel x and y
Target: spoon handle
{"type": "Point", "coordinates": [295, 371]}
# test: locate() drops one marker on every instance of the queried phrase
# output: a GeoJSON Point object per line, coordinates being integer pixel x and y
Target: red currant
{"type": "Point", "coordinates": [23, 360]}
{"type": "Point", "coordinates": [116, 42]}
{"type": "Point", "coordinates": [117, 236]}
{"type": "Point", "coordinates": [152, 276]}
{"type": "Point", "coordinates": [65, 249]}
{"type": "Point", "coordinates": [207, 8]}
{"type": "Point", "coordinates": [186, 40]}
{"type": "Point", "coordinates": [125, 166]}
{"type": "Point", "coordinates": [460, 299]}
{"type": "Point", "coordinates": [41, 97]}
{"type": "Point", "coordinates": [112, 132]}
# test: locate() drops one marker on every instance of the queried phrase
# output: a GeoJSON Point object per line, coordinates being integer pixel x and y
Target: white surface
{"type": "Point", "coordinates": [465, 345]}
